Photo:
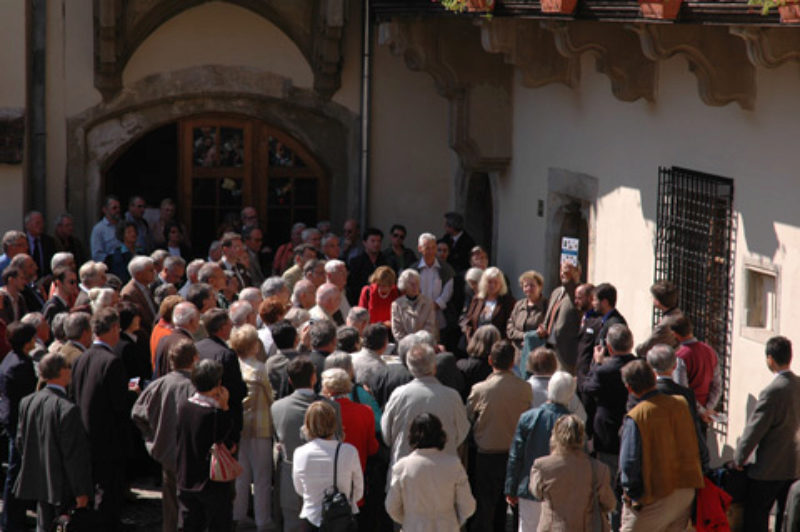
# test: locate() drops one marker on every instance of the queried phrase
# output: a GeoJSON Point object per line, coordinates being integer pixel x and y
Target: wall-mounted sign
{"type": "Point", "coordinates": [569, 250]}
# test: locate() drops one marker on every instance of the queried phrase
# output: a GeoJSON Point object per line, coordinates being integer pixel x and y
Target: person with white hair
{"type": "Point", "coordinates": [143, 272]}
{"type": "Point", "coordinates": [330, 247]}
{"type": "Point", "coordinates": [304, 294]}
{"type": "Point", "coordinates": [532, 440]}
{"type": "Point", "coordinates": [91, 274]}
{"type": "Point", "coordinates": [312, 237]}
{"type": "Point", "coordinates": [358, 318]}
{"type": "Point", "coordinates": [336, 273]}
{"type": "Point", "coordinates": [185, 321]}
{"type": "Point", "coordinates": [436, 278]}
{"type": "Point", "coordinates": [412, 311]}
{"type": "Point", "coordinates": [63, 258]}
{"type": "Point", "coordinates": [276, 286]}
{"type": "Point", "coordinates": [327, 307]}
{"type": "Point", "coordinates": [424, 394]}
{"type": "Point", "coordinates": [192, 270]}
{"type": "Point", "coordinates": [101, 298]}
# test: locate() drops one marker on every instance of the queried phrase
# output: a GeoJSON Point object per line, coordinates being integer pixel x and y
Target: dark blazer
{"type": "Point", "coordinates": [500, 314]}
{"type": "Point", "coordinates": [604, 385]}
{"type": "Point", "coordinates": [7, 314]}
{"type": "Point", "coordinates": [288, 415]}
{"type": "Point", "coordinates": [448, 373]}
{"type": "Point", "coordinates": [361, 267]}
{"type": "Point", "coordinates": [772, 427]}
{"type": "Point", "coordinates": [198, 428]}
{"type": "Point", "coordinates": [474, 371]}
{"type": "Point", "coordinates": [459, 252]}
{"type": "Point", "coordinates": [591, 324]}
{"type": "Point", "coordinates": [48, 250]}
{"type": "Point", "coordinates": [163, 347]}
{"type": "Point", "coordinates": [34, 301]}
{"type": "Point", "coordinates": [72, 245]}
{"type": "Point", "coordinates": [278, 376]}
{"type": "Point", "coordinates": [382, 383]}
{"type": "Point", "coordinates": [55, 305]}
{"type": "Point", "coordinates": [215, 349]}
{"type": "Point", "coordinates": [318, 359]}
{"type": "Point", "coordinates": [101, 392]}
{"type": "Point", "coordinates": [17, 379]}
{"type": "Point", "coordinates": [135, 356]}
{"type": "Point", "coordinates": [613, 318]}
{"type": "Point", "coordinates": [56, 466]}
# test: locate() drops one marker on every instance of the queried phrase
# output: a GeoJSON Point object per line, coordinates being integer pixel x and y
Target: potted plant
{"type": "Point", "coordinates": [459, 6]}
{"type": "Point", "coordinates": [789, 10]}
{"type": "Point", "coordinates": [563, 7]}
{"type": "Point", "coordinates": [660, 9]}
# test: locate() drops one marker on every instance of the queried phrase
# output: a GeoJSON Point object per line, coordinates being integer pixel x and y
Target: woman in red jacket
{"type": "Point", "coordinates": [378, 295]}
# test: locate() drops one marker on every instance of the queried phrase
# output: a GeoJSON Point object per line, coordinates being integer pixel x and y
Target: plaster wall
{"type": "Point", "coordinates": [622, 144]}
{"type": "Point", "coordinates": [412, 168]}
{"type": "Point", "coordinates": [218, 33]}
{"type": "Point", "coordinates": [11, 192]}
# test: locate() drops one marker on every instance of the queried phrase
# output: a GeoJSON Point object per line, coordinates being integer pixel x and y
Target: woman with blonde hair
{"type": "Point", "coordinates": [413, 311]}
{"type": "Point", "coordinates": [377, 297]}
{"type": "Point", "coordinates": [568, 481]}
{"type": "Point", "coordinates": [312, 464]}
{"type": "Point", "coordinates": [255, 445]}
{"type": "Point", "coordinates": [492, 304]}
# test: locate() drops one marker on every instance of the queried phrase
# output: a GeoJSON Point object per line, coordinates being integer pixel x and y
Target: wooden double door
{"type": "Point", "coordinates": [228, 162]}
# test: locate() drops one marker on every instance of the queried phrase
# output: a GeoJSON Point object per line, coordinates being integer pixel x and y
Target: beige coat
{"type": "Point", "coordinates": [564, 483]}
{"type": "Point", "coordinates": [408, 318]}
{"type": "Point", "coordinates": [429, 492]}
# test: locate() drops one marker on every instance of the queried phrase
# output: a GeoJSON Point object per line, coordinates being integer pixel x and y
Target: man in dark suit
{"type": "Point", "coordinates": [772, 427]}
{"type": "Point", "coordinates": [662, 358]}
{"type": "Point", "coordinates": [32, 293]}
{"type": "Point", "coordinates": [101, 392]}
{"type": "Point", "coordinates": [218, 325]}
{"type": "Point", "coordinates": [65, 291]}
{"type": "Point", "coordinates": [562, 319]}
{"type": "Point", "coordinates": [40, 246]}
{"type": "Point", "coordinates": [186, 320]}
{"type": "Point", "coordinates": [604, 385]}
{"type": "Point", "coordinates": [143, 273]}
{"type": "Point", "coordinates": [604, 302]}
{"type": "Point", "coordinates": [460, 242]}
{"type": "Point", "coordinates": [362, 265]}
{"type": "Point", "coordinates": [56, 465]}
{"type": "Point", "coordinates": [323, 343]}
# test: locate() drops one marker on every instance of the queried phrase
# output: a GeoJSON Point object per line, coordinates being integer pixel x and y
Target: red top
{"type": "Point", "coordinates": [358, 423]}
{"type": "Point", "coordinates": [380, 308]}
{"type": "Point", "coordinates": [282, 258]}
{"type": "Point", "coordinates": [161, 330]}
{"type": "Point", "coordinates": [700, 360]}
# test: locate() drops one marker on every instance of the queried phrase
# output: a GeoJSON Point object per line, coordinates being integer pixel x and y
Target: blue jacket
{"type": "Point", "coordinates": [531, 441]}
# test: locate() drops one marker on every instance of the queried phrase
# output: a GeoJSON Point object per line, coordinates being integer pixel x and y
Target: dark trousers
{"type": "Point", "coordinates": [488, 485]}
{"type": "Point", "coordinates": [211, 508]}
{"type": "Point", "coordinates": [109, 484]}
{"type": "Point", "coordinates": [13, 518]}
{"type": "Point", "coordinates": [761, 495]}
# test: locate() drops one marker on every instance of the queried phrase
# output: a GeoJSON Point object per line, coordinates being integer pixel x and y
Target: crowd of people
{"type": "Point", "coordinates": [411, 380]}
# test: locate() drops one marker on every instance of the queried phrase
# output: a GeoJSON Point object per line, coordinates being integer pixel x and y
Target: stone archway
{"type": "Point", "coordinates": [98, 135]}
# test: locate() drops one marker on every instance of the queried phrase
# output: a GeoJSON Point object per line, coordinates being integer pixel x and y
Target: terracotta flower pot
{"type": "Point", "coordinates": [564, 7]}
{"type": "Point", "coordinates": [480, 5]}
{"type": "Point", "coordinates": [664, 10]}
{"type": "Point", "coordinates": [790, 13]}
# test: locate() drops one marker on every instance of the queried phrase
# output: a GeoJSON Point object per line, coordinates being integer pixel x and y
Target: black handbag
{"type": "Point", "coordinates": [337, 514]}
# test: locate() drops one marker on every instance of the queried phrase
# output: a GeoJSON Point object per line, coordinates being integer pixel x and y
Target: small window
{"type": "Point", "coordinates": [760, 306]}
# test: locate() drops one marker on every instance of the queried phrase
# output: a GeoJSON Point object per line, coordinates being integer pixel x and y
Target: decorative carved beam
{"type": "Point", "coordinates": [769, 47]}
{"type": "Point", "coordinates": [717, 58]}
{"type": "Point", "coordinates": [618, 55]}
{"type": "Point", "coordinates": [476, 83]}
{"type": "Point", "coordinates": [327, 45]}
{"type": "Point", "coordinates": [107, 45]}
{"type": "Point", "coordinates": [529, 47]}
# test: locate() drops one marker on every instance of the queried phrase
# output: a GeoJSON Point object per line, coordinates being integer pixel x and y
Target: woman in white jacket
{"type": "Point", "coordinates": [429, 491]}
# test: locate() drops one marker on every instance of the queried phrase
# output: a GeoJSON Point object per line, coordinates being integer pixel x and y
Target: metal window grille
{"type": "Point", "coordinates": [695, 243]}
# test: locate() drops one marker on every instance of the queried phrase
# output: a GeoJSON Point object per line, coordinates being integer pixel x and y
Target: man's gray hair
{"type": "Point", "coordinates": [239, 312]}
{"type": "Point", "coordinates": [184, 313]}
{"type": "Point", "coordinates": [297, 226]}
{"type": "Point", "coordinates": [300, 287]}
{"type": "Point", "coordinates": [340, 359]}
{"type": "Point", "coordinates": [193, 267]}
{"type": "Point", "coordinates": [561, 388]}
{"type": "Point", "coordinates": [90, 270]}
{"type": "Point", "coordinates": [272, 286]}
{"type": "Point", "coordinates": [327, 238]}
{"type": "Point", "coordinates": [252, 295]}
{"type": "Point", "coordinates": [421, 360]}
{"type": "Point", "coordinates": [405, 345]}
{"type": "Point", "coordinates": [62, 258]}
{"type": "Point", "coordinates": [138, 264]}
{"type": "Point", "coordinates": [424, 237]}
{"type": "Point", "coordinates": [159, 255]}
{"type": "Point", "coordinates": [326, 292]}
{"type": "Point", "coordinates": [336, 381]}
{"type": "Point", "coordinates": [33, 318]}
{"type": "Point", "coordinates": [50, 366]}
{"type": "Point", "coordinates": [308, 232]}
{"type": "Point", "coordinates": [425, 337]}
{"type": "Point", "coordinates": [619, 338]}
{"type": "Point", "coordinates": [77, 323]}
{"type": "Point", "coordinates": [207, 271]}
{"type": "Point", "coordinates": [10, 238]}
{"type": "Point", "coordinates": [662, 358]}
{"type": "Point", "coordinates": [407, 276]}
{"type": "Point", "coordinates": [358, 315]}
{"type": "Point", "coordinates": [334, 265]}
{"type": "Point", "coordinates": [172, 262]}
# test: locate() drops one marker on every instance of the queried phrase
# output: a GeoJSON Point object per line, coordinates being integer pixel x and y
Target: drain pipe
{"type": "Point", "coordinates": [366, 68]}
{"type": "Point", "coordinates": [36, 112]}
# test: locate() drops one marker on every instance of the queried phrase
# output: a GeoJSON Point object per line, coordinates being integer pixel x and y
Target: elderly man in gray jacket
{"type": "Point", "coordinates": [424, 394]}
{"type": "Point", "coordinates": [156, 414]}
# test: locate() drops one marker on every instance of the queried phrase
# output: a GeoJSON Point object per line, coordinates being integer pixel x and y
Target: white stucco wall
{"type": "Point", "coordinates": [622, 144]}
{"type": "Point", "coordinates": [411, 165]}
{"type": "Point", "coordinates": [218, 34]}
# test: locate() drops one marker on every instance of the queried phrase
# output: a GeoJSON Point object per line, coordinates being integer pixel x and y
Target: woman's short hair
{"type": "Point", "coordinates": [101, 298]}
{"type": "Point", "coordinates": [561, 388]}
{"type": "Point", "coordinates": [492, 272]}
{"type": "Point", "coordinates": [272, 310]}
{"type": "Point", "coordinates": [320, 421]}
{"type": "Point", "coordinates": [481, 342]}
{"type": "Point", "coordinates": [383, 276]}
{"type": "Point", "coordinates": [336, 381]}
{"type": "Point", "coordinates": [426, 432]}
{"type": "Point", "coordinates": [407, 276]}
{"type": "Point", "coordinates": [122, 226]}
{"type": "Point", "coordinates": [244, 340]}
{"type": "Point", "coordinates": [531, 275]}
{"type": "Point", "coordinates": [206, 375]}
{"type": "Point", "coordinates": [542, 361]}
{"type": "Point", "coordinates": [568, 434]}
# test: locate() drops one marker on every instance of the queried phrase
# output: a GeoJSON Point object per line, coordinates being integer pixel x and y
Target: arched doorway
{"type": "Point", "coordinates": [215, 164]}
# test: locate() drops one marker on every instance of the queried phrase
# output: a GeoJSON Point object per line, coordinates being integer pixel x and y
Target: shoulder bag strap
{"type": "Point", "coordinates": [336, 465]}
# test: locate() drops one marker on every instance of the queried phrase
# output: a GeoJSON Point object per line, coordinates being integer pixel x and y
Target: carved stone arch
{"type": "Point", "coordinates": [315, 26]}
{"type": "Point", "coordinates": [98, 135]}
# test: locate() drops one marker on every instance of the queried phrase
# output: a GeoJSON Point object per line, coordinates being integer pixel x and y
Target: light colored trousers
{"type": "Point", "coordinates": [668, 514]}
{"type": "Point", "coordinates": [255, 457]}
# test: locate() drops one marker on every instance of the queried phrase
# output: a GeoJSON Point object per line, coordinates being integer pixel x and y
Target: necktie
{"type": "Point", "coordinates": [37, 254]}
